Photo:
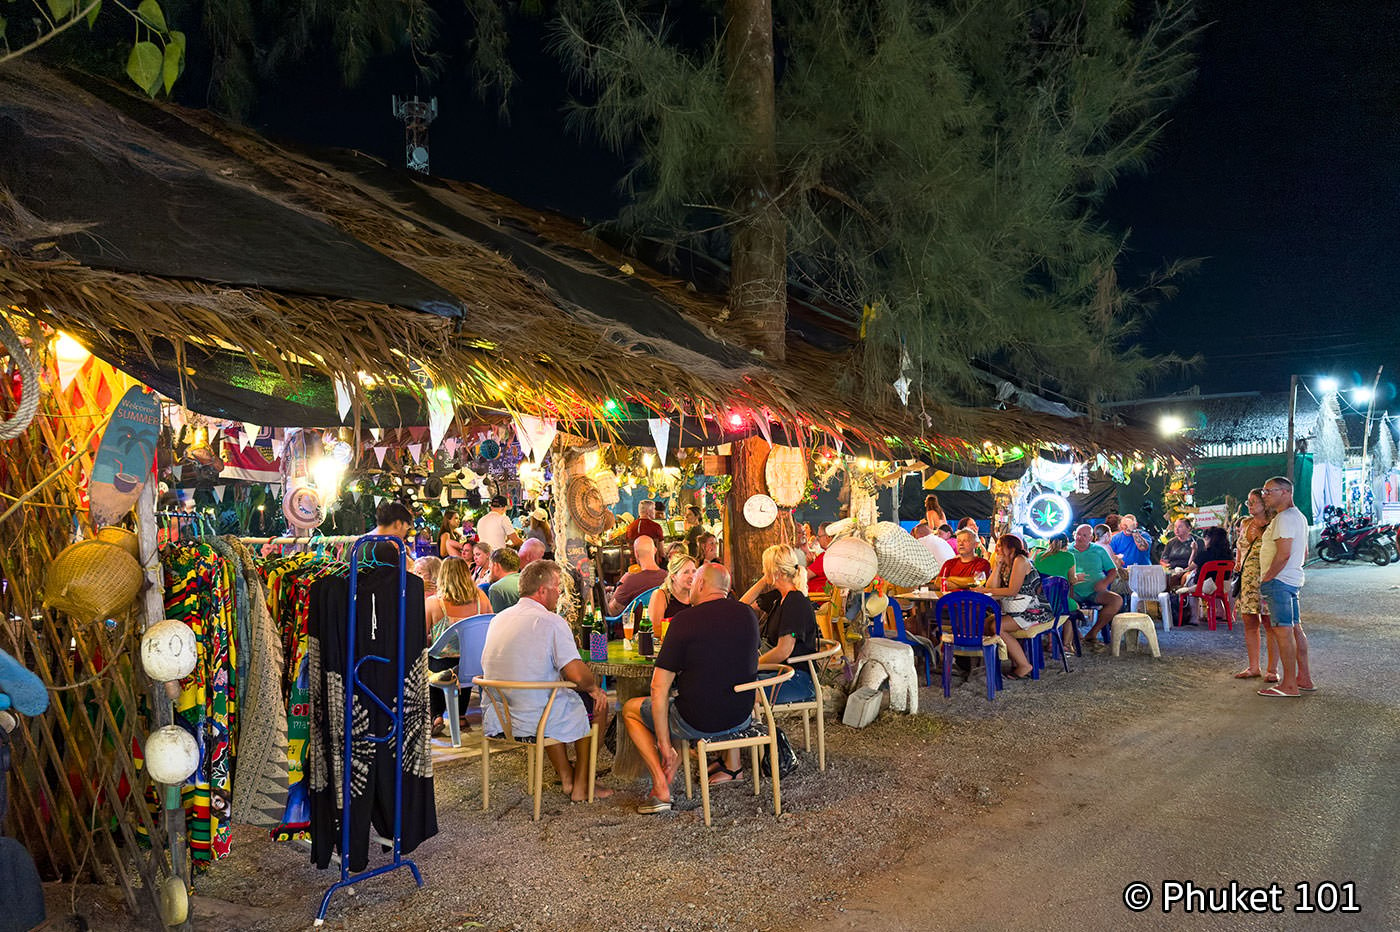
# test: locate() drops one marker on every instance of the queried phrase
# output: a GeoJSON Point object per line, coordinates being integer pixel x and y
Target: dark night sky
{"type": "Point", "coordinates": [1280, 170]}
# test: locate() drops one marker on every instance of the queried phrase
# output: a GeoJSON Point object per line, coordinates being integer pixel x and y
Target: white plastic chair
{"type": "Point", "coordinates": [1149, 584]}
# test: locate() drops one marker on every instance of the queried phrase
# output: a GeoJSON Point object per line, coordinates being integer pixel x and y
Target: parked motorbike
{"type": "Point", "coordinates": [1345, 538]}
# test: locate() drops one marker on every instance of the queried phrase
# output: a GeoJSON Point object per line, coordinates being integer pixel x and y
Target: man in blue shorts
{"type": "Point", "coordinates": [1093, 571]}
{"type": "Point", "coordinates": [710, 648]}
{"type": "Point", "coordinates": [1281, 552]}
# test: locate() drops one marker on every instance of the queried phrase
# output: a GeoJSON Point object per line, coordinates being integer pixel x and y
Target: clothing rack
{"type": "Point", "coordinates": [395, 732]}
{"type": "Point", "coordinates": [330, 541]}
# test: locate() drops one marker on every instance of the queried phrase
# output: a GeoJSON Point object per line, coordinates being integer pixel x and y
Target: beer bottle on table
{"type": "Point", "coordinates": [598, 638]}
{"type": "Point", "coordinates": [645, 645]}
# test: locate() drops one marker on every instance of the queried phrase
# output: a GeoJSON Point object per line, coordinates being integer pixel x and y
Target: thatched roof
{"type": "Point", "coordinates": [182, 247]}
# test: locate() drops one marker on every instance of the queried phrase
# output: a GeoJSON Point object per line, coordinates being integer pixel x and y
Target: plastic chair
{"type": "Point", "coordinates": [1149, 584]}
{"type": "Point", "coordinates": [534, 745]}
{"type": "Point", "coordinates": [1056, 589]}
{"type": "Point", "coordinates": [1220, 571]}
{"type": "Point", "coordinates": [921, 645]}
{"type": "Point", "coordinates": [615, 621]}
{"type": "Point", "coordinates": [467, 639]}
{"type": "Point", "coordinates": [814, 705]}
{"type": "Point", "coordinates": [753, 736]}
{"type": "Point", "coordinates": [967, 620]}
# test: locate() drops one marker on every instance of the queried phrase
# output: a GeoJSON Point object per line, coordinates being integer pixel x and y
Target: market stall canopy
{"type": "Point", "coordinates": [249, 279]}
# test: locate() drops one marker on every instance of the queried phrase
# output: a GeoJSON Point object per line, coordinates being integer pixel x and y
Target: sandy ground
{"type": "Point", "coordinates": [1032, 811]}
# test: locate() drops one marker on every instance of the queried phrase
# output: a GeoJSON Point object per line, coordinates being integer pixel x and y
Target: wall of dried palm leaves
{"type": "Point", "coordinates": [76, 796]}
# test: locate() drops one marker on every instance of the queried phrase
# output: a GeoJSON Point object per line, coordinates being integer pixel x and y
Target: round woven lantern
{"type": "Point", "coordinates": [586, 506]}
{"type": "Point", "coordinates": [92, 580]}
{"type": "Point", "coordinates": [171, 755]}
{"type": "Point", "coordinates": [301, 507]}
{"type": "Point", "coordinates": [786, 475]}
{"type": "Point", "coordinates": [169, 651]}
{"type": "Point", "coordinates": [850, 563]}
{"type": "Point", "coordinates": [903, 560]}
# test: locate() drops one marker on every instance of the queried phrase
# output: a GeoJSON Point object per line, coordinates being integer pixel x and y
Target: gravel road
{"type": "Point", "coordinates": [1034, 811]}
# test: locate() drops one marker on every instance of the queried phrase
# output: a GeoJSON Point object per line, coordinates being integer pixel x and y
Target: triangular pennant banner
{"type": "Point", "coordinates": [355, 497]}
{"type": "Point", "coordinates": [177, 420]}
{"type": "Point", "coordinates": [415, 450]}
{"type": "Point", "coordinates": [439, 417]}
{"type": "Point", "coordinates": [251, 432]}
{"type": "Point", "coordinates": [536, 435]}
{"type": "Point", "coordinates": [342, 398]}
{"type": "Point", "coordinates": [377, 433]}
{"type": "Point", "coordinates": [68, 369]}
{"type": "Point", "coordinates": [760, 420]}
{"type": "Point", "coordinates": [379, 455]}
{"type": "Point", "coordinates": [418, 433]}
{"type": "Point", "coordinates": [219, 492]}
{"type": "Point", "coordinates": [660, 435]}
{"type": "Point", "coordinates": [450, 445]}
{"type": "Point", "coordinates": [278, 444]}
{"type": "Point", "coordinates": [378, 500]}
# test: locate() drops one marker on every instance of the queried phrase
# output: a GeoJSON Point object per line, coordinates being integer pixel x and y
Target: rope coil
{"type": "Point", "coordinates": [29, 384]}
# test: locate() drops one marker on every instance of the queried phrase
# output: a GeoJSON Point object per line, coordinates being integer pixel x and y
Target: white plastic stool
{"type": "Point", "coordinates": [1138, 622]}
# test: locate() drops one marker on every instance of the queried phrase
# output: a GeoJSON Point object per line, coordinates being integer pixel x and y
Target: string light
{"type": "Point", "coordinates": [736, 420]}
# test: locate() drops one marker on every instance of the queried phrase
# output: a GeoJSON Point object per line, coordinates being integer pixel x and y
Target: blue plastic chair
{"type": "Point", "coordinates": [921, 646]}
{"type": "Point", "coordinates": [465, 639]}
{"type": "Point", "coordinates": [1056, 589]}
{"type": "Point", "coordinates": [614, 621]}
{"type": "Point", "coordinates": [967, 622]}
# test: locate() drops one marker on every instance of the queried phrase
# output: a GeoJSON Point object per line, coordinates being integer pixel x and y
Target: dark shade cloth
{"type": "Point", "coordinates": [156, 212]}
{"type": "Point", "coordinates": [712, 647]}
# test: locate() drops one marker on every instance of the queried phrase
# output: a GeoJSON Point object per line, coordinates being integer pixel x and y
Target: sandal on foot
{"type": "Point", "coordinates": [1249, 675]}
{"type": "Point", "coordinates": [1308, 689]}
{"type": "Point", "coordinates": [1018, 676]}
{"type": "Point", "coordinates": [1273, 692]}
{"type": "Point", "coordinates": [730, 776]}
{"type": "Point", "coordinates": [1271, 677]}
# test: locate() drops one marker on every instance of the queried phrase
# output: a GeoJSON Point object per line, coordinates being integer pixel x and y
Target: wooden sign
{"type": "Point", "coordinates": [126, 456]}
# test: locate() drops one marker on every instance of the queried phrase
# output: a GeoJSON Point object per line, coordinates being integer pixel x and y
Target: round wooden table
{"type": "Point", "coordinates": [632, 673]}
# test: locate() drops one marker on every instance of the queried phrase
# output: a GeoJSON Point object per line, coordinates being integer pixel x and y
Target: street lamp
{"type": "Point", "coordinates": [1362, 395]}
{"type": "Point", "coordinates": [1326, 385]}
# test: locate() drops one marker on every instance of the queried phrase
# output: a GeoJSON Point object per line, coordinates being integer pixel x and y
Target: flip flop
{"type": "Point", "coordinates": [1271, 677]}
{"type": "Point", "coordinates": [1273, 692]}
{"type": "Point", "coordinates": [730, 776]}
{"type": "Point", "coordinates": [1246, 675]}
{"type": "Point", "coordinates": [1308, 689]}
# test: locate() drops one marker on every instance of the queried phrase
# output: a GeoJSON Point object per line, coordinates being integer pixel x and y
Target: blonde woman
{"type": "Point", "coordinates": [426, 569]}
{"type": "Point", "coordinates": [673, 596]}
{"type": "Point", "coordinates": [1251, 608]}
{"type": "Point", "coordinates": [457, 597]}
{"type": "Point", "coordinates": [787, 620]}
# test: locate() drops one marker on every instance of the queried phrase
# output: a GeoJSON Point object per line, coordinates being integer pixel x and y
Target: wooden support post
{"type": "Point", "coordinates": [745, 543]}
{"type": "Point", "coordinates": [162, 709]}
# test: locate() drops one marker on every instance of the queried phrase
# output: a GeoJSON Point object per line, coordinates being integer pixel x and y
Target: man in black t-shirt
{"type": "Point", "coordinates": [710, 648]}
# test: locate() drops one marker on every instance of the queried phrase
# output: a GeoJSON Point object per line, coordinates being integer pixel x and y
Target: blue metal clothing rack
{"type": "Point", "coordinates": [394, 734]}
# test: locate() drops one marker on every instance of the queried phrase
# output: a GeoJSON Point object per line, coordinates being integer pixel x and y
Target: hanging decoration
{"type": "Point", "coordinates": [439, 416]}
{"type": "Point", "coordinates": [126, 457]}
{"type": "Point", "coordinates": [342, 398]}
{"type": "Point", "coordinates": [760, 511]}
{"type": "Point", "coordinates": [660, 435]}
{"type": "Point", "coordinates": [536, 435]}
{"type": "Point", "coordinates": [786, 475]}
{"type": "Point", "coordinates": [902, 384]}
{"type": "Point", "coordinates": [1048, 514]}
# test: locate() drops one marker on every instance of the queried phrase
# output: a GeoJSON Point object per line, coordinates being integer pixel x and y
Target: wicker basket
{"type": "Point", "coordinates": [122, 538]}
{"type": "Point", "coordinates": [92, 580]}
{"type": "Point", "coordinates": [903, 560]}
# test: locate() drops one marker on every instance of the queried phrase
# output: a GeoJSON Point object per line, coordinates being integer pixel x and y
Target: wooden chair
{"type": "Point", "coordinates": [534, 745]}
{"type": "Point", "coordinates": [753, 736]}
{"type": "Point", "coordinates": [814, 662]}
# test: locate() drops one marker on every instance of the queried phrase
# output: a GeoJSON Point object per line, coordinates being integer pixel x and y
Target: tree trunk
{"type": "Point", "coordinates": [746, 543]}
{"type": "Point", "coordinates": [758, 264]}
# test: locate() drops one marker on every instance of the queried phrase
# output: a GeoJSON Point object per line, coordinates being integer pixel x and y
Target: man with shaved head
{"type": "Point", "coordinates": [710, 648]}
{"type": "Point", "coordinates": [530, 551]}
{"type": "Point", "coordinates": [648, 575]}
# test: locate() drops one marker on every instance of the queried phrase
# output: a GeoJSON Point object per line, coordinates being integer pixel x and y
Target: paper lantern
{"type": "Point", "coordinates": [902, 560]}
{"type": "Point", "coordinates": [171, 755]}
{"type": "Point", "coordinates": [786, 475]}
{"type": "Point", "coordinates": [168, 650]}
{"type": "Point", "coordinates": [606, 483]}
{"type": "Point", "coordinates": [850, 563]}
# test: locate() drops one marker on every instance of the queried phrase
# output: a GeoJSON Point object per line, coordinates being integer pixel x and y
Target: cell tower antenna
{"type": "Point", "coordinates": [416, 115]}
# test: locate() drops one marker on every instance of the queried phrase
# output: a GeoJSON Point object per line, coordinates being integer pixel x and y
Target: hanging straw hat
{"type": "Point", "coordinates": [586, 506]}
{"type": "Point", "coordinates": [92, 580]}
{"type": "Point", "coordinates": [301, 507]}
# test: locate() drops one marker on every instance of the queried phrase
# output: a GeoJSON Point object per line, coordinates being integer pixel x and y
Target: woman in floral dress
{"type": "Point", "coordinates": [1248, 605]}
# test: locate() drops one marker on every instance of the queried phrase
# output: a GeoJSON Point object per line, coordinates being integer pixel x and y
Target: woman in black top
{"type": "Point", "coordinates": [787, 621]}
{"type": "Point", "coordinates": [1216, 547]}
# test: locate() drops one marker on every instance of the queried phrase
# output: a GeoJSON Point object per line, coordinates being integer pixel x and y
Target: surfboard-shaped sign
{"type": "Point", "coordinates": [126, 457]}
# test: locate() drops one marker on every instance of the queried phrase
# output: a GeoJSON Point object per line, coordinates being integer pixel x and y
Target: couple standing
{"type": "Point", "coordinates": [1282, 547]}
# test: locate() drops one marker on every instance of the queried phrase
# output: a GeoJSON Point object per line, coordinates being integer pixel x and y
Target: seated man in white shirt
{"type": "Point", "coordinates": [529, 642]}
